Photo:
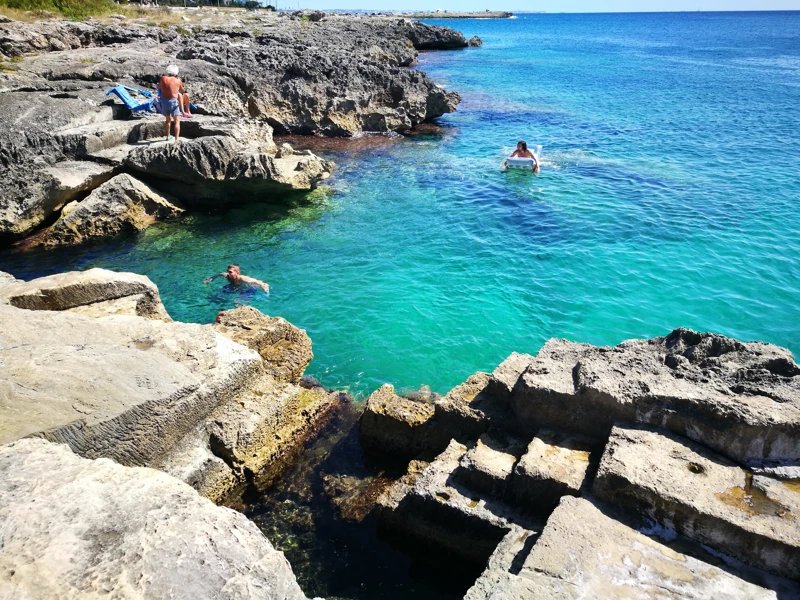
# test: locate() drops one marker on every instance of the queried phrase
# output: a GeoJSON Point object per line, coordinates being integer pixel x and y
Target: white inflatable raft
{"type": "Point", "coordinates": [524, 163]}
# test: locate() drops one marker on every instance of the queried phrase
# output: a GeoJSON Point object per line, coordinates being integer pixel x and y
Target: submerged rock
{"type": "Point", "coordinates": [126, 532]}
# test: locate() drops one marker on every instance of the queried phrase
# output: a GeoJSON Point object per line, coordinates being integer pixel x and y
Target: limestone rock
{"type": "Point", "coordinates": [462, 413]}
{"type": "Point", "coordinates": [475, 42]}
{"type": "Point", "coordinates": [395, 425]}
{"type": "Point", "coordinates": [741, 399]}
{"type": "Point", "coordinates": [127, 532]}
{"type": "Point", "coordinates": [260, 424]}
{"type": "Point", "coordinates": [309, 15]}
{"type": "Point", "coordinates": [488, 466]}
{"type": "Point", "coordinates": [121, 204]}
{"type": "Point", "coordinates": [703, 496]}
{"type": "Point", "coordinates": [432, 506]}
{"type": "Point", "coordinates": [285, 349]}
{"type": "Point", "coordinates": [7, 279]}
{"type": "Point", "coordinates": [556, 464]}
{"type": "Point", "coordinates": [120, 387]}
{"type": "Point", "coordinates": [96, 292]}
{"type": "Point", "coordinates": [217, 169]}
{"type": "Point", "coordinates": [583, 553]}
{"type": "Point", "coordinates": [30, 197]}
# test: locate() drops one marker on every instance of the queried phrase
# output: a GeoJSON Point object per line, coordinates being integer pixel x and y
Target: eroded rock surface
{"type": "Point", "coordinates": [703, 496]}
{"type": "Point", "coordinates": [337, 76]}
{"type": "Point", "coordinates": [582, 553]}
{"type": "Point", "coordinates": [76, 528]}
{"type": "Point", "coordinates": [527, 440]}
{"type": "Point", "coordinates": [95, 292]}
{"type": "Point", "coordinates": [741, 399]}
{"type": "Point", "coordinates": [395, 425]}
{"type": "Point", "coordinates": [121, 204]}
{"type": "Point", "coordinates": [121, 387]}
{"type": "Point", "coordinates": [284, 348]}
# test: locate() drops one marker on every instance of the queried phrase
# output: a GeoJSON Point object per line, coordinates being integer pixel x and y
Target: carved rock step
{"type": "Point", "coordinates": [556, 464]}
{"type": "Point", "coordinates": [703, 496]}
{"type": "Point", "coordinates": [582, 553]}
{"type": "Point", "coordinates": [432, 505]}
{"type": "Point", "coordinates": [395, 425]}
{"type": "Point", "coordinates": [488, 466]}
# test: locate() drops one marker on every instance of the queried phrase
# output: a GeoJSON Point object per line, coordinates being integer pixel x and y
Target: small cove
{"type": "Point", "coordinates": [421, 263]}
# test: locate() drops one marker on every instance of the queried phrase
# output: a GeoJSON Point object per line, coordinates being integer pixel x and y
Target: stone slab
{"type": "Point", "coordinates": [582, 553]}
{"type": "Point", "coordinates": [74, 528]}
{"type": "Point", "coordinates": [395, 425]}
{"type": "Point", "coordinates": [555, 464]}
{"type": "Point", "coordinates": [434, 506]}
{"type": "Point", "coordinates": [703, 496]}
{"type": "Point", "coordinates": [487, 467]}
{"type": "Point", "coordinates": [121, 387]}
{"type": "Point", "coordinates": [64, 291]}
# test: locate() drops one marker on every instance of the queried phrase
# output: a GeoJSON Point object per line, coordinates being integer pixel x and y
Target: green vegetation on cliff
{"type": "Point", "coordinates": [71, 9]}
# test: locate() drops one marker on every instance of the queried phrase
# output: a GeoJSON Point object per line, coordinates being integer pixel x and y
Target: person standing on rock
{"type": "Point", "coordinates": [238, 283]}
{"type": "Point", "coordinates": [171, 89]}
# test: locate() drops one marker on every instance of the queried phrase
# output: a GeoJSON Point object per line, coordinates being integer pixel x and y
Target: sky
{"type": "Point", "coordinates": [549, 5]}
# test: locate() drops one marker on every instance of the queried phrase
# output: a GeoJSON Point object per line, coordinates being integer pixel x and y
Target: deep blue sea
{"type": "Point", "coordinates": [669, 195]}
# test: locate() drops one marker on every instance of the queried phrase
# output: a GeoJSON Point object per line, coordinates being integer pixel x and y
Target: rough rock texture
{"type": "Point", "coordinates": [703, 496]}
{"type": "Point", "coordinates": [76, 528]}
{"type": "Point", "coordinates": [257, 427]}
{"type": "Point", "coordinates": [431, 505]}
{"type": "Point", "coordinates": [284, 348]}
{"type": "Point", "coordinates": [475, 42]}
{"type": "Point", "coordinates": [560, 403]}
{"type": "Point", "coordinates": [395, 425]}
{"type": "Point", "coordinates": [96, 292]}
{"type": "Point", "coordinates": [464, 412]}
{"type": "Point", "coordinates": [32, 193]}
{"type": "Point", "coordinates": [338, 76]}
{"type": "Point", "coordinates": [121, 387]}
{"type": "Point", "coordinates": [487, 467]}
{"type": "Point", "coordinates": [741, 399]}
{"type": "Point", "coordinates": [556, 464]}
{"type": "Point", "coordinates": [218, 170]}
{"type": "Point", "coordinates": [121, 204]}
{"type": "Point", "coordinates": [582, 553]}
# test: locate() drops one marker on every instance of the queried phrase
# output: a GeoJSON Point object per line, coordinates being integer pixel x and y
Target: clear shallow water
{"type": "Point", "coordinates": [669, 196]}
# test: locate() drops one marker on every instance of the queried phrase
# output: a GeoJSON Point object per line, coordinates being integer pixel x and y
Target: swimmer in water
{"type": "Point", "coordinates": [523, 152]}
{"type": "Point", "coordinates": [237, 280]}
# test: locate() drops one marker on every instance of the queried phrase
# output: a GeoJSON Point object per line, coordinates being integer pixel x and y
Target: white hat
{"type": "Point", "coordinates": [172, 70]}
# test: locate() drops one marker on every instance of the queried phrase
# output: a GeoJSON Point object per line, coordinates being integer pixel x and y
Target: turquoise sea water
{"type": "Point", "coordinates": [669, 196]}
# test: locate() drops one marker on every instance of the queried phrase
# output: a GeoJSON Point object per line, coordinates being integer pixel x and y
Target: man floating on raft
{"type": "Point", "coordinates": [523, 158]}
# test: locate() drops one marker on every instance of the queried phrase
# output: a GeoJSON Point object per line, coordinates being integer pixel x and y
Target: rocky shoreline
{"type": "Point", "coordinates": [587, 458]}
{"type": "Point", "coordinates": [78, 165]}
{"type": "Point", "coordinates": [665, 468]}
